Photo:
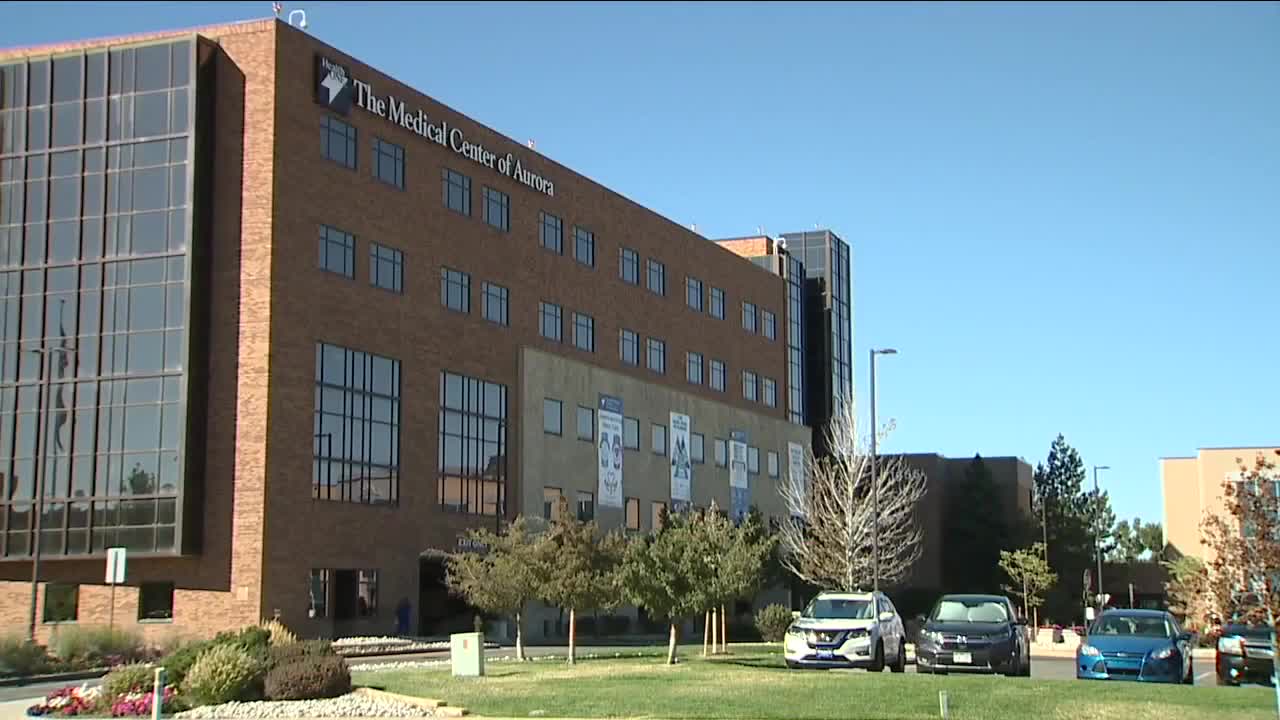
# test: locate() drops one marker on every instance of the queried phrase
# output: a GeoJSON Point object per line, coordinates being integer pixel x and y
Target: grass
{"type": "Point", "coordinates": [754, 683]}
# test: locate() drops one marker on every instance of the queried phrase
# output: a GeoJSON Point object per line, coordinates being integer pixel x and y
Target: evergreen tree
{"type": "Point", "coordinates": [974, 532]}
{"type": "Point", "coordinates": [1065, 511]}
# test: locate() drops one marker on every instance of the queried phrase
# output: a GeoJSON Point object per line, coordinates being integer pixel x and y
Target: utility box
{"type": "Point", "coordinates": [466, 653]}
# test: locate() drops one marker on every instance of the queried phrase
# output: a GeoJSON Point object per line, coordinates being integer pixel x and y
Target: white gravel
{"type": "Point", "coordinates": [347, 706]}
{"type": "Point", "coordinates": [437, 664]}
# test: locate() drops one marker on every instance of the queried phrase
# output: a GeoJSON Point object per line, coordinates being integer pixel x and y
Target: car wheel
{"type": "Point", "coordinates": [877, 665]}
{"type": "Point", "coordinates": [1026, 667]}
{"type": "Point", "coordinates": [900, 665]}
{"type": "Point", "coordinates": [1190, 679]}
{"type": "Point", "coordinates": [1014, 668]}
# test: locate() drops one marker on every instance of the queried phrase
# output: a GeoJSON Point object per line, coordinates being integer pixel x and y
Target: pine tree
{"type": "Point", "coordinates": [1065, 511]}
{"type": "Point", "coordinates": [974, 537]}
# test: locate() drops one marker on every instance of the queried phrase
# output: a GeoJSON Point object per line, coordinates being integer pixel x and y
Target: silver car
{"type": "Point", "coordinates": [847, 630]}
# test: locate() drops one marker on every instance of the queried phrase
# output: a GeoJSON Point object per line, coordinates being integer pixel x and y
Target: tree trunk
{"type": "Point", "coordinates": [519, 636]}
{"type": "Point", "coordinates": [573, 636]}
{"type": "Point", "coordinates": [671, 646]}
{"type": "Point", "coordinates": [724, 630]}
{"type": "Point", "coordinates": [706, 631]}
{"type": "Point", "coordinates": [715, 631]}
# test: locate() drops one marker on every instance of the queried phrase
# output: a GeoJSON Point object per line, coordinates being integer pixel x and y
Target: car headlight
{"type": "Point", "coordinates": [1231, 646]}
{"type": "Point", "coordinates": [1165, 652]}
{"type": "Point", "coordinates": [795, 631]}
{"type": "Point", "coordinates": [1089, 651]}
{"type": "Point", "coordinates": [932, 638]}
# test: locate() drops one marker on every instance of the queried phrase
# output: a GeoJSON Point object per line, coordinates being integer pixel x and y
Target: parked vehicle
{"type": "Point", "coordinates": [1244, 655]}
{"type": "Point", "coordinates": [973, 633]}
{"type": "Point", "coordinates": [1144, 645]}
{"type": "Point", "coordinates": [840, 630]}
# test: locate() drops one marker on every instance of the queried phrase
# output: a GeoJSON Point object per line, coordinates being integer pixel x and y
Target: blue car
{"type": "Point", "coordinates": [1143, 645]}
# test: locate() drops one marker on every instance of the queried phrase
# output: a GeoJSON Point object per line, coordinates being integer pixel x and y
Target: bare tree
{"type": "Point", "coordinates": [831, 543]}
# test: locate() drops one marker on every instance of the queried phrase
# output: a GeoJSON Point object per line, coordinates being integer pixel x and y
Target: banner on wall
{"type": "Point", "coordinates": [796, 472]}
{"type": "Point", "coordinates": [681, 462]}
{"type": "Point", "coordinates": [739, 490]}
{"type": "Point", "coordinates": [609, 455]}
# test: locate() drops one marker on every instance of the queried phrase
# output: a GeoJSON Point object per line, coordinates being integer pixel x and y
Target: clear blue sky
{"type": "Point", "coordinates": [1065, 217]}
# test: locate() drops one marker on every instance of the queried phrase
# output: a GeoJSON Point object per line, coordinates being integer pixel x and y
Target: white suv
{"type": "Point", "coordinates": [847, 630]}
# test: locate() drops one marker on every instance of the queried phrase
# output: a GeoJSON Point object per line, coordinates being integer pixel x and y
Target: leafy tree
{"type": "Point", "coordinates": [1131, 541]}
{"type": "Point", "coordinates": [578, 570]}
{"type": "Point", "coordinates": [1151, 537]}
{"type": "Point", "coordinates": [1029, 575]}
{"type": "Point", "coordinates": [140, 481]}
{"type": "Point", "coordinates": [744, 566]}
{"type": "Point", "coordinates": [1245, 542]}
{"type": "Point", "coordinates": [665, 573]}
{"type": "Point", "coordinates": [973, 539]}
{"type": "Point", "coordinates": [502, 579]}
{"type": "Point", "coordinates": [1189, 592]}
{"type": "Point", "coordinates": [1066, 513]}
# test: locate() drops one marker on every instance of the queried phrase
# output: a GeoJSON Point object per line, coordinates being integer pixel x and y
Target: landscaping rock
{"type": "Point", "coordinates": [347, 706]}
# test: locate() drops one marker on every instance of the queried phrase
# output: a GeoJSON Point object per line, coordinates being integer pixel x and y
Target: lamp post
{"type": "Point", "coordinates": [1097, 528]}
{"type": "Point", "coordinates": [38, 470]}
{"type": "Point", "coordinates": [875, 483]}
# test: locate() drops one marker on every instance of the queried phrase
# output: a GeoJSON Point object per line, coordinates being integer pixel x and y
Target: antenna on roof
{"type": "Point", "coordinates": [530, 143]}
{"type": "Point", "coordinates": [301, 23]}
{"type": "Point", "coordinates": [277, 7]}
{"type": "Point", "coordinates": [693, 227]}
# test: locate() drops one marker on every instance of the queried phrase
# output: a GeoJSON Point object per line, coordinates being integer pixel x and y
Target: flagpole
{"type": "Point", "coordinates": [38, 505]}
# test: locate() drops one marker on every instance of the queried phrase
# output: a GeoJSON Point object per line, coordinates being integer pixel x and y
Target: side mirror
{"type": "Point", "coordinates": [886, 616]}
{"type": "Point", "coordinates": [795, 614]}
{"type": "Point", "coordinates": [1020, 621]}
{"type": "Point", "coordinates": [1186, 637]}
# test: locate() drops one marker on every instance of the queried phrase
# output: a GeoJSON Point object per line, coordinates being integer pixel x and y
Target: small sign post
{"type": "Point", "coordinates": [116, 558]}
{"type": "Point", "coordinates": [157, 693]}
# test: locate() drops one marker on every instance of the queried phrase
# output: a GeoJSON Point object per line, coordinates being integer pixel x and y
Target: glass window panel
{"type": "Point", "coordinates": [151, 115]}
{"type": "Point", "coordinates": [153, 66]}
{"type": "Point", "coordinates": [146, 352]}
{"type": "Point", "coordinates": [67, 77]}
{"type": "Point", "coordinates": [67, 125]}
{"type": "Point", "coordinates": [181, 118]}
{"type": "Point", "coordinates": [150, 189]}
{"type": "Point", "coordinates": [38, 128]}
{"type": "Point", "coordinates": [96, 75]}
{"type": "Point", "coordinates": [64, 198]}
{"type": "Point", "coordinates": [181, 64]}
{"type": "Point", "coordinates": [94, 193]}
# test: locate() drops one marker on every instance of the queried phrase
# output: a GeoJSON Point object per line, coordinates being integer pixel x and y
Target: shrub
{"type": "Point", "coordinates": [224, 673]}
{"type": "Point", "coordinates": [127, 679]}
{"type": "Point", "coordinates": [309, 678]}
{"type": "Point", "coordinates": [772, 622]}
{"type": "Point", "coordinates": [21, 658]}
{"type": "Point", "coordinates": [285, 654]}
{"type": "Point", "coordinates": [97, 646]}
{"type": "Point", "coordinates": [252, 640]}
{"type": "Point", "coordinates": [278, 634]}
{"type": "Point", "coordinates": [178, 663]}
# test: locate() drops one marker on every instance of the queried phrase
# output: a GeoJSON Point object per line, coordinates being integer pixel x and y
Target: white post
{"type": "Point", "coordinates": [157, 697]}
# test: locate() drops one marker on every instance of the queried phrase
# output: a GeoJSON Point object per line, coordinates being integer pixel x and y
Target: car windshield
{"type": "Point", "coordinates": [839, 609]}
{"type": "Point", "coordinates": [1130, 625]}
{"type": "Point", "coordinates": [971, 611]}
{"type": "Point", "coordinates": [1252, 632]}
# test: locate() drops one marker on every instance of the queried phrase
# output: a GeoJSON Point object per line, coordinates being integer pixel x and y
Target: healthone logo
{"type": "Point", "coordinates": [333, 86]}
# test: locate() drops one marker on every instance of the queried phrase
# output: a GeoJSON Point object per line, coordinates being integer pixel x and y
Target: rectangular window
{"type": "Point", "coordinates": [629, 347]}
{"type": "Point", "coordinates": [629, 266]}
{"type": "Point", "coordinates": [61, 603]}
{"type": "Point", "coordinates": [717, 375]}
{"type": "Point", "coordinates": [633, 513]}
{"type": "Point", "coordinates": [697, 449]}
{"type": "Point", "coordinates": [694, 368]}
{"type": "Point", "coordinates": [753, 460]}
{"type": "Point", "coordinates": [717, 303]}
{"type": "Point", "coordinates": [388, 162]}
{"type": "Point", "coordinates": [357, 426]}
{"type": "Point", "coordinates": [337, 141]}
{"type": "Point", "coordinates": [495, 304]}
{"type": "Point", "coordinates": [386, 268]}
{"type": "Point", "coordinates": [472, 446]}
{"type": "Point", "coordinates": [337, 251]}
{"type": "Point", "coordinates": [551, 503]}
{"type": "Point", "coordinates": [584, 332]}
{"type": "Point", "coordinates": [693, 293]}
{"type": "Point", "coordinates": [457, 191]}
{"type": "Point", "coordinates": [552, 416]}
{"type": "Point", "coordinates": [552, 232]}
{"type": "Point", "coordinates": [584, 246]}
{"type": "Point", "coordinates": [657, 356]}
{"type": "Point", "coordinates": [772, 458]}
{"type": "Point", "coordinates": [749, 389]}
{"type": "Point", "coordinates": [497, 209]}
{"type": "Point", "coordinates": [657, 276]}
{"type": "Point", "coordinates": [586, 423]}
{"type": "Point", "coordinates": [552, 321]}
{"type": "Point", "coordinates": [155, 601]}
{"type": "Point", "coordinates": [657, 512]}
{"type": "Point", "coordinates": [770, 392]}
{"type": "Point", "coordinates": [722, 452]}
{"type": "Point", "coordinates": [318, 593]}
{"type": "Point", "coordinates": [770, 325]}
{"type": "Point", "coordinates": [366, 593]}
{"type": "Point", "coordinates": [659, 439]}
{"type": "Point", "coordinates": [455, 290]}
{"type": "Point", "coordinates": [749, 317]}
{"type": "Point", "coordinates": [586, 506]}
{"type": "Point", "coordinates": [630, 433]}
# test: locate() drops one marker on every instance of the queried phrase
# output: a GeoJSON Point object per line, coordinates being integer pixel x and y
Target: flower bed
{"type": "Point", "coordinates": [83, 700]}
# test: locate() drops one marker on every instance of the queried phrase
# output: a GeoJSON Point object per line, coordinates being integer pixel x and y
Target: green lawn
{"type": "Point", "coordinates": [753, 683]}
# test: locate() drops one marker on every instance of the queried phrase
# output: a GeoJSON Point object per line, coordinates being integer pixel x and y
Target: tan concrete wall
{"type": "Point", "coordinates": [1180, 483]}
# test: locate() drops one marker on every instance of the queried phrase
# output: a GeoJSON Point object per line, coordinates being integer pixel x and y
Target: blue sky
{"type": "Point", "coordinates": [1065, 216]}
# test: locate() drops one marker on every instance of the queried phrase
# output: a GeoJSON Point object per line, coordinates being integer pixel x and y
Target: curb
{"type": "Point", "coordinates": [439, 708]}
{"type": "Point", "coordinates": [59, 677]}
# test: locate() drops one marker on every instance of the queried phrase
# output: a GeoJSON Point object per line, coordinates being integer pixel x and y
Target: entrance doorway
{"type": "Point", "coordinates": [440, 613]}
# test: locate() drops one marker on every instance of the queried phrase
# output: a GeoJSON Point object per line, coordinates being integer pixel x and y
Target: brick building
{"type": "Point", "coordinates": [306, 325]}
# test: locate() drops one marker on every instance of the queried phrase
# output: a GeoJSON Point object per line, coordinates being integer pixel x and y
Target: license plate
{"type": "Point", "coordinates": [962, 658]}
{"type": "Point", "coordinates": [825, 654]}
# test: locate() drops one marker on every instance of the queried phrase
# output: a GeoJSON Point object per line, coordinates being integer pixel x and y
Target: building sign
{"type": "Point", "coordinates": [466, 544]}
{"type": "Point", "coordinates": [609, 457]}
{"type": "Point", "coordinates": [681, 465]}
{"type": "Point", "coordinates": [739, 490]}
{"type": "Point", "coordinates": [337, 90]}
{"type": "Point", "coordinates": [796, 473]}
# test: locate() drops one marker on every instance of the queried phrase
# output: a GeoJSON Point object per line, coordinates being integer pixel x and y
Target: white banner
{"type": "Point", "coordinates": [796, 471]}
{"type": "Point", "coordinates": [681, 464]}
{"type": "Point", "coordinates": [609, 457]}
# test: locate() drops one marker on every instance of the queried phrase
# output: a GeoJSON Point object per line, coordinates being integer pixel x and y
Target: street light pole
{"type": "Point", "coordinates": [875, 480]}
{"type": "Point", "coordinates": [1097, 528]}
